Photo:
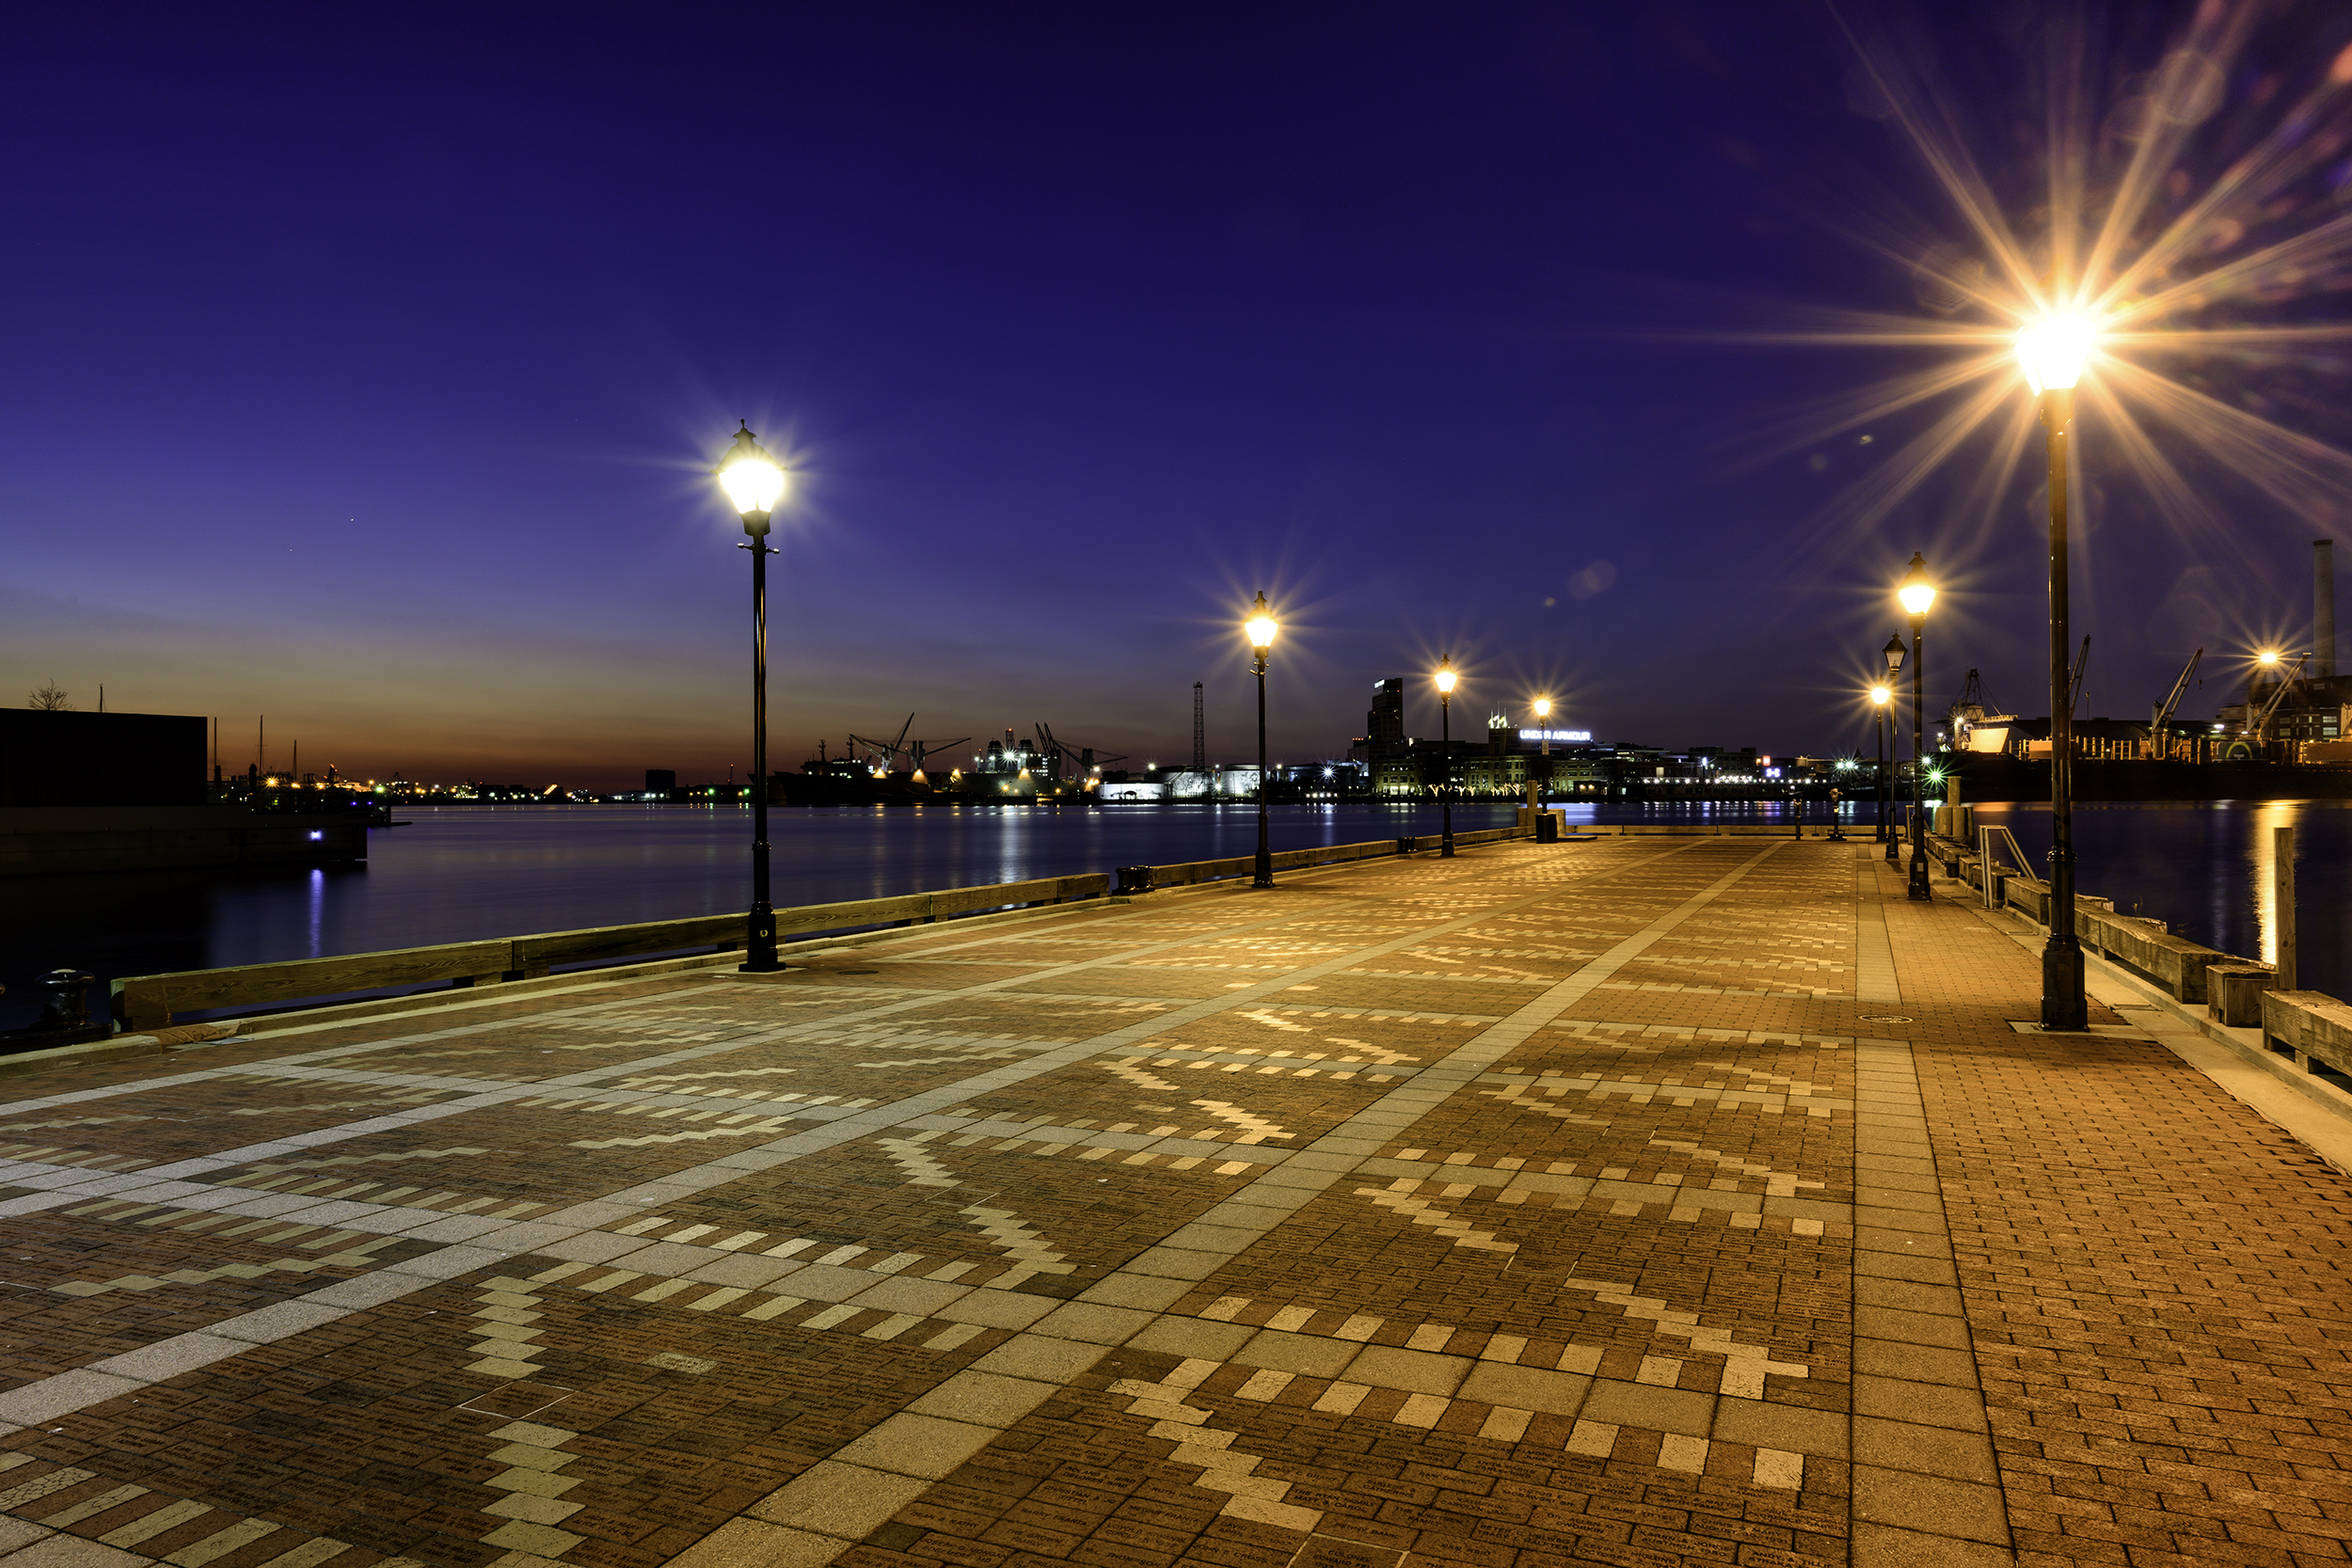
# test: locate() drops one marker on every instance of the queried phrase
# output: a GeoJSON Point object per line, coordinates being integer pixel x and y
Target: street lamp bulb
{"type": "Point", "coordinates": [2053, 350]}
{"type": "Point", "coordinates": [2268, 656]}
{"type": "Point", "coordinates": [1543, 708]}
{"type": "Point", "coordinates": [1916, 591]}
{"type": "Point", "coordinates": [1445, 676]}
{"type": "Point", "coordinates": [752, 480]}
{"type": "Point", "coordinates": [1261, 625]}
{"type": "Point", "coordinates": [1881, 694]}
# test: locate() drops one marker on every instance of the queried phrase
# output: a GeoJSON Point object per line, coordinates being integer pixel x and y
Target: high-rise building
{"type": "Point", "coordinates": [1384, 726]}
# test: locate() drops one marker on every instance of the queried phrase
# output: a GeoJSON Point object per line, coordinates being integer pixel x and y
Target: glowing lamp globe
{"type": "Point", "coordinates": [1543, 708]}
{"type": "Point", "coordinates": [1880, 694]}
{"type": "Point", "coordinates": [751, 479]}
{"type": "Point", "coordinates": [1261, 625]}
{"type": "Point", "coordinates": [1916, 591]}
{"type": "Point", "coordinates": [2054, 349]}
{"type": "Point", "coordinates": [2268, 656]}
{"type": "Point", "coordinates": [1445, 677]}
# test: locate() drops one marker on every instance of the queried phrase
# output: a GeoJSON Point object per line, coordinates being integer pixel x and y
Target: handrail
{"type": "Point", "coordinates": [1989, 862]}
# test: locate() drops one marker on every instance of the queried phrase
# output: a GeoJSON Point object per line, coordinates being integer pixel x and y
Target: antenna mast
{"type": "Point", "coordinates": [1200, 734]}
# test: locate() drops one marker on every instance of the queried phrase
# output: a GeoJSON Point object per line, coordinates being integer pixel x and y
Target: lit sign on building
{"type": "Point", "coordinates": [1555, 734]}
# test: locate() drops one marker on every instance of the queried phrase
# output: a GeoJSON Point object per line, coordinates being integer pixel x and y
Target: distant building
{"type": "Point", "coordinates": [1384, 725]}
{"type": "Point", "coordinates": [661, 781]}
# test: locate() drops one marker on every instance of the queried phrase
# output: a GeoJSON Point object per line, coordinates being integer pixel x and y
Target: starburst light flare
{"type": "Point", "coordinates": [2172, 234]}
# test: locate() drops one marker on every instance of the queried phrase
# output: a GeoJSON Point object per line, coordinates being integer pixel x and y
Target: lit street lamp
{"type": "Point", "coordinates": [1895, 651]}
{"type": "Point", "coordinates": [1916, 595]}
{"type": "Point", "coordinates": [1445, 731]}
{"type": "Point", "coordinates": [1880, 783]}
{"type": "Point", "coordinates": [755, 483]}
{"type": "Point", "coordinates": [2053, 351]}
{"type": "Point", "coordinates": [1262, 628]}
{"type": "Point", "coordinates": [1539, 788]}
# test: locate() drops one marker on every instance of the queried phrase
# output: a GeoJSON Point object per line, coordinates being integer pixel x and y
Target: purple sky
{"type": "Point", "coordinates": [364, 368]}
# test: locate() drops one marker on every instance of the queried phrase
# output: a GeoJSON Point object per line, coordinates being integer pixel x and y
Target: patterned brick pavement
{"type": "Point", "coordinates": [1629, 1202]}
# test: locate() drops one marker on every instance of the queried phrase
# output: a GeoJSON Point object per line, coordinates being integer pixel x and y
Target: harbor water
{"type": "Point", "coordinates": [466, 873]}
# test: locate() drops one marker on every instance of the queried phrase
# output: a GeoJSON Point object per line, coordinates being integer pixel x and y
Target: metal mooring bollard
{"type": "Point", "coordinates": [65, 1001]}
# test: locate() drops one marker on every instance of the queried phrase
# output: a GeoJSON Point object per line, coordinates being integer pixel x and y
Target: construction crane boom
{"type": "Point", "coordinates": [2159, 741]}
{"type": "Point", "coordinates": [2260, 728]}
{"type": "Point", "coordinates": [889, 752]}
{"type": "Point", "coordinates": [2082, 662]}
{"type": "Point", "coordinates": [1049, 743]}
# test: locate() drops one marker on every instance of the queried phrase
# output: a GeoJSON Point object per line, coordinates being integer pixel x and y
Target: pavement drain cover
{"type": "Point", "coordinates": [1885, 1018]}
{"type": "Point", "coordinates": [677, 1361]}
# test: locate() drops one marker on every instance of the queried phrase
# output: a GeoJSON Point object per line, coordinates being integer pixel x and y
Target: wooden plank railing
{"type": "Point", "coordinates": [152, 1001]}
{"type": "Point", "coordinates": [2313, 1027]}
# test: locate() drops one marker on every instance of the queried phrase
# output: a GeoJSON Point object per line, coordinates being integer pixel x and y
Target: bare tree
{"type": "Point", "coordinates": [51, 699]}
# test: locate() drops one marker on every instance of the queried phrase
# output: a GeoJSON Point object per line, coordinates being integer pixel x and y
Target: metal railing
{"type": "Point", "coordinates": [1988, 860]}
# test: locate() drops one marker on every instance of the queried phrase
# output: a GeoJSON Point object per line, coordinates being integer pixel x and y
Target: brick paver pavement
{"type": "Point", "coordinates": [1625, 1202]}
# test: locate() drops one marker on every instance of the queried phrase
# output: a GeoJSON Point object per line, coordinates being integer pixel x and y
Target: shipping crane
{"type": "Point", "coordinates": [2074, 695]}
{"type": "Point", "coordinates": [888, 752]}
{"type": "Point", "coordinates": [2159, 735]}
{"type": "Point", "coordinates": [1088, 758]}
{"type": "Point", "coordinates": [2259, 728]}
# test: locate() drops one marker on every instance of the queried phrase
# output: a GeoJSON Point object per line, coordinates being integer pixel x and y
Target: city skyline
{"type": "Point", "coordinates": [372, 384]}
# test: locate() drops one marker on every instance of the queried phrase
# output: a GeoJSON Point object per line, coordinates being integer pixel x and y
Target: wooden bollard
{"type": "Point", "coordinates": [2282, 900]}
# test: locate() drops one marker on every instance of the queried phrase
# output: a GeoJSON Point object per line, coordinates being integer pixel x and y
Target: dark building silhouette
{"type": "Point", "coordinates": [1384, 726]}
{"type": "Point", "coordinates": [64, 758]}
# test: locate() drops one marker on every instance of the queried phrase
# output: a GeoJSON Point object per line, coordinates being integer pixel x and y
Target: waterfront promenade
{"type": "Point", "coordinates": [1637, 1201]}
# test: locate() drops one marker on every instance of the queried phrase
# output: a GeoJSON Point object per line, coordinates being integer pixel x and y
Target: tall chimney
{"type": "Point", "coordinates": [2323, 607]}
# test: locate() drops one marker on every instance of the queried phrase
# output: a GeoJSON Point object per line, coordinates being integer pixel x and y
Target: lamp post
{"type": "Point", "coordinates": [1261, 628]}
{"type": "Point", "coordinates": [1445, 732]}
{"type": "Point", "coordinates": [755, 483]}
{"type": "Point", "coordinates": [1880, 784]}
{"type": "Point", "coordinates": [1537, 789]}
{"type": "Point", "coordinates": [2053, 351]}
{"type": "Point", "coordinates": [1894, 652]}
{"type": "Point", "coordinates": [1916, 595]}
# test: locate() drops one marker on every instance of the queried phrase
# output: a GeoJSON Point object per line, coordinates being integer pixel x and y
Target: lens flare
{"type": "Point", "coordinates": [2176, 242]}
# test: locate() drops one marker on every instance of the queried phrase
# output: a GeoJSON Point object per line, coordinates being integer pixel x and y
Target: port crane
{"type": "Point", "coordinates": [2258, 729]}
{"type": "Point", "coordinates": [888, 752]}
{"type": "Point", "coordinates": [1087, 756]}
{"type": "Point", "coordinates": [2159, 735]}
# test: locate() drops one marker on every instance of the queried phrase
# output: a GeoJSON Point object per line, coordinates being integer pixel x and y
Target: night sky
{"type": "Point", "coordinates": [364, 370]}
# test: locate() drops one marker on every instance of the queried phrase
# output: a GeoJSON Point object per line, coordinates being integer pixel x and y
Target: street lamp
{"type": "Point", "coordinates": [2052, 351]}
{"type": "Point", "coordinates": [1916, 595]}
{"type": "Point", "coordinates": [1539, 788]}
{"type": "Point", "coordinates": [1894, 652]}
{"type": "Point", "coordinates": [1878, 783]}
{"type": "Point", "coordinates": [755, 483]}
{"type": "Point", "coordinates": [1445, 732]}
{"type": "Point", "coordinates": [1261, 628]}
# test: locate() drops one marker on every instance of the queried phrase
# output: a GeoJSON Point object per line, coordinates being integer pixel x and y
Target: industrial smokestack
{"type": "Point", "coordinates": [2323, 607]}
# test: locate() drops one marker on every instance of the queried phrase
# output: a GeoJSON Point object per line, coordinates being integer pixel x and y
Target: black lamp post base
{"type": "Point", "coordinates": [759, 946]}
{"type": "Point", "coordinates": [2062, 1004]}
{"type": "Point", "coordinates": [1918, 893]}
